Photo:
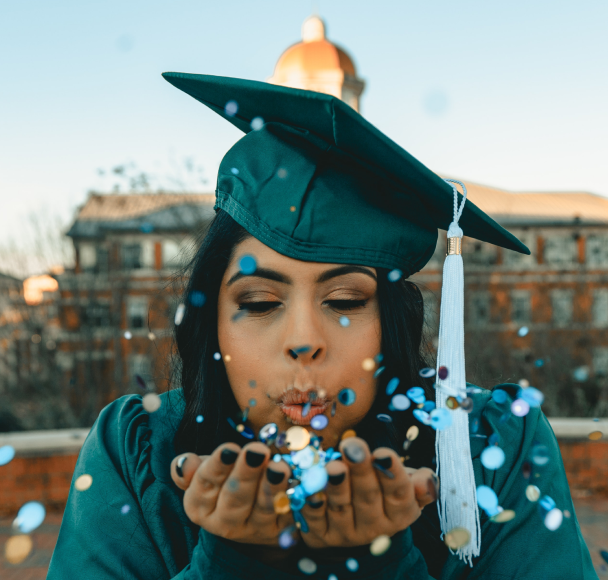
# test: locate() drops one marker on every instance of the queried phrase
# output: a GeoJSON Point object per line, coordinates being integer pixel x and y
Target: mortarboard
{"type": "Point", "coordinates": [315, 181]}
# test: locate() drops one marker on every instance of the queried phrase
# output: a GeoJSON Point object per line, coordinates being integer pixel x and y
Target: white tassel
{"type": "Point", "coordinates": [457, 503]}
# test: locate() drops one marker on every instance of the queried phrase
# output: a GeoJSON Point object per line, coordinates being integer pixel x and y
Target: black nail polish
{"type": "Point", "coordinates": [384, 462]}
{"type": "Point", "coordinates": [274, 477]}
{"type": "Point", "coordinates": [386, 472]}
{"type": "Point", "coordinates": [180, 464]}
{"type": "Point", "coordinates": [315, 504]}
{"type": "Point", "coordinates": [354, 453]}
{"type": "Point", "coordinates": [337, 479]}
{"type": "Point", "coordinates": [254, 459]}
{"type": "Point", "coordinates": [228, 456]}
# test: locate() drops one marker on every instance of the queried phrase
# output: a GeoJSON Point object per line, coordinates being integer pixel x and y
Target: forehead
{"type": "Point", "coordinates": [266, 257]}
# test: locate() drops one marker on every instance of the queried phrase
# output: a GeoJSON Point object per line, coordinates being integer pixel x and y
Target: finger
{"type": "Point", "coordinates": [274, 481]}
{"type": "Point", "coordinates": [426, 486]}
{"type": "Point", "coordinates": [183, 467]}
{"type": "Point", "coordinates": [398, 494]}
{"type": "Point", "coordinates": [339, 514]}
{"type": "Point", "coordinates": [365, 488]}
{"type": "Point", "coordinates": [239, 493]}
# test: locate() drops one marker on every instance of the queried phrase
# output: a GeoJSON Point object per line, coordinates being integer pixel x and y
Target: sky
{"type": "Point", "coordinates": [508, 94]}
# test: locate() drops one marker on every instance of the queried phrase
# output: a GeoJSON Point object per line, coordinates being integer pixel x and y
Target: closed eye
{"type": "Point", "coordinates": [346, 304]}
{"type": "Point", "coordinates": [260, 306]}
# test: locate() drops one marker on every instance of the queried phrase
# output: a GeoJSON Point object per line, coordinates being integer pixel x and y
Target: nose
{"type": "Point", "coordinates": [305, 343]}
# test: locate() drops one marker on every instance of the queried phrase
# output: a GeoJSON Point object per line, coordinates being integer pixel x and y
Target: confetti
{"type": "Point", "coordinates": [352, 564]}
{"type": "Point", "coordinates": [231, 108]}
{"type": "Point", "coordinates": [540, 455]}
{"type": "Point", "coordinates": [348, 434]}
{"type": "Point", "coordinates": [580, 374]}
{"type": "Point", "coordinates": [416, 394]}
{"type": "Point", "coordinates": [128, 335]}
{"type": "Point", "coordinates": [394, 275]}
{"type": "Point", "coordinates": [297, 438]}
{"type": "Point", "coordinates": [384, 418]}
{"type": "Point", "coordinates": [520, 408]}
{"type": "Point", "coordinates": [503, 517]}
{"type": "Point", "coordinates": [29, 517]}
{"type": "Point", "coordinates": [532, 396]}
{"type": "Point", "coordinates": [197, 298]}
{"type": "Point", "coordinates": [347, 397]}
{"type": "Point", "coordinates": [319, 422]}
{"type": "Point", "coordinates": [307, 566]}
{"type": "Point", "coordinates": [524, 383]}
{"type": "Point", "coordinates": [314, 479]}
{"type": "Point", "coordinates": [441, 419]}
{"type": "Point", "coordinates": [151, 402]}
{"type": "Point", "coordinates": [392, 385]}
{"type": "Point", "coordinates": [83, 482]}
{"type": "Point", "coordinates": [443, 373]}
{"type": "Point", "coordinates": [457, 538]}
{"type": "Point", "coordinates": [380, 545]}
{"type": "Point", "coordinates": [499, 396]}
{"type": "Point", "coordinates": [151, 336]}
{"type": "Point", "coordinates": [553, 519]}
{"type": "Point", "coordinates": [234, 171]}
{"type": "Point", "coordinates": [292, 208]}
{"type": "Point", "coordinates": [412, 433]}
{"type": "Point", "coordinates": [282, 173]}
{"type": "Point", "coordinates": [252, 384]}
{"type": "Point", "coordinates": [7, 452]}
{"type": "Point", "coordinates": [247, 265]}
{"type": "Point", "coordinates": [281, 503]}
{"type": "Point", "coordinates": [18, 548]}
{"type": "Point", "coordinates": [125, 509]}
{"type": "Point", "coordinates": [595, 435]}
{"type": "Point", "coordinates": [427, 373]}
{"type": "Point", "coordinates": [487, 500]}
{"type": "Point", "coordinates": [368, 364]}
{"type": "Point", "coordinates": [523, 331]}
{"type": "Point", "coordinates": [400, 402]}
{"type": "Point", "coordinates": [227, 358]}
{"type": "Point", "coordinates": [286, 537]}
{"type": "Point", "coordinates": [452, 403]}
{"type": "Point", "coordinates": [199, 418]}
{"type": "Point", "coordinates": [422, 416]}
{"type": "Point", "coordinates": [492, 458]}
{"type": "Point", "coordinates": [532, 493]}
{"type": "Point", "coordinates": [268, 433]}
{"type": "Point", "coordinates": [179, 314]}
{"type": "Point", "coordinates": [217, 356]}
{"type": "Point", "coordinates": [257, 123]}
{"type": "Point", "coordinates": [344, 321]}
{"type": "Point", "coordinates": [379, 372]}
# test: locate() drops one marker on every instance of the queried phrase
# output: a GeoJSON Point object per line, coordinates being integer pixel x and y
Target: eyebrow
{"type": "Point", "coordinates": [275, 276]}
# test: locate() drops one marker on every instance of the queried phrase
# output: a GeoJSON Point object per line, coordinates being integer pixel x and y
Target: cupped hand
{"type": "Point", "coordinates": [230, 492]}
{"type": "Point", "coordinates": [362, 502]}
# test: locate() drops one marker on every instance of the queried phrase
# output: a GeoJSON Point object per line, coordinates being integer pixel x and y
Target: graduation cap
{"type": "Point", "coordinates": [315, 181]}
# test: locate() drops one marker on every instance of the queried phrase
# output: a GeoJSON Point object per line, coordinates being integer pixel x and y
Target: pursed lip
{"type": "Point", "coordinates": [292, 401]}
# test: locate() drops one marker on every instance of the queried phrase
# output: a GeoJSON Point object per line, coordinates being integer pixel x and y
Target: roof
{"type": "Point", "coordinates": [538, 208]}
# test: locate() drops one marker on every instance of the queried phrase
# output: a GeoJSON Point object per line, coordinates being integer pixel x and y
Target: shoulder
{"type": "Point", "coordinates": [135, 440]}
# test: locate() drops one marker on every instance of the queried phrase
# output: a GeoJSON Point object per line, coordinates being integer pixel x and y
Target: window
{"type": "Point", "coordinates": [131, 256]}
{"type": "Point", "coordinates": [137, 312]}
{"type": "Point", "coordinates": [479, 253]}
{"type": "Point", "coordinates": [520, 307]}
{"type": "Point", "coordinates": [171, 253]}
{"type": "Point", "coordinates": [141, 365]}
{"type": "Point", "coordinates": [560, 250]}
{"type": "Point", "coordinates": [97, 315]}
{"type": "Point", "coordinates": [88, 257]}
{"type": "Point", "coordinates": [511, 258]}
{"type": "Point", "coordinates": [561, 302]}
{"type": "Point", "coordinates": [103, 259]}
{"type": "Point", "coordinates": [597, 250]}
{"type": "Point", "coordinates": [479, 308]}
{"type": "Point", "coordinates": [599, 310]}
{"type": "Point", "coordinates": [600, 361]}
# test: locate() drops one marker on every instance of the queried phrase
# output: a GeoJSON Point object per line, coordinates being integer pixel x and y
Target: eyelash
{"type": "Point", "coordinates": [262, 306]}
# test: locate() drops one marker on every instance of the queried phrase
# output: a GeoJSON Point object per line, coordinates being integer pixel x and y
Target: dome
{"type": "Point", "coordinates": [314, 54]}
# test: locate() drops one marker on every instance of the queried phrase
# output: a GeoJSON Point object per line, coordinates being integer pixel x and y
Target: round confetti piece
{"type": "Point", "coordinates": [151, 402]}
{"type": "Point", "coordinates": [234, 171]}
{"type": "Point", "coordinates": [392, 385]}
{"type": "Point", "coordinates": [394, 275]}
{"type": "Point", "coordinates": [540, 455]}
{"type": "Point", "coordinates": [268, 433]}
{"type": "Point", "coordinates": [7, 452]}
{"type": "Point", "coordinates": [452, 403]}
{"type": "Point", "coordinates": [314, 479]}
{"type": "Point", "coordinates": [499, 396]}
{"type": "Point", "coordinates": [487, 498]}
{"type": "Point", "coordinates": [503, 517]}
{"type": "Point", "coordinates": [83, 482]}
{"type": "Point", "coordinates": [567, 514]}
{"type": "Point", "coordinates": [29, 517]}
{"type": "Point", "coordinates": [347, 397]}
{"type": "Point", "coordinates": [524, 383]}
{"type": "Point", "coordinates": [319, 422]}
{"type": "Point", "coordinates": [523, 331]}
{"type": "Point", "coordinates": [231, 108]}
{"type": "Point", "coordinates": [380, 545]}
{"type": "Point", "coordinates": [553, 519]}
{"type": "Point", "coordinates": [307, 566]}
{"type": "Point", "coordinates": [532, 396]}
{"type": "Point", "coordinates": [128, 335]}
{"type": "Point", "coordinates": [368, 364]}
{"type": "Point", "coordinates": [532, 493]}
{"type": "Point", "coordinates": [384, 418]}
{"type": "Point", "coordinates": [520, 408]}
{"type": "Point", "coordinates": [443, 373]}
{"type": "Point", "coordinates": [286, 537]}
{"type": "Point", "coordinates": [332, 577]}
{"type": "Point", "coordinates": [240, 428]}
{"type": "Point", "coordinates": [217, 356]}
{"type": "Point", "coordinates": [352, 564]}
{"type": "Point", "coordinates": [400, 402]}
{"type": "Point", "coordinates": [227, 358]}
{"type": "Point", "coordinates": [256, 124]}
{"type": "Point", "coordinates": [179, 314]}
{"type": "Point", "coordinates": [457, 538]}
{"type": "Point", "coordinates": [247, 265]}
{"type": "Point", "coordinates": [151, 336]}
{"type": "Point", "coordinates": [297, 438]}
{"type": "Point", "coordinates": [199, 418]}
{"type": "Point", "coordinates": [412, 433]}
{"type": "Point", "coordinates": [546, 503]}
{"type": "Point", "coordinates": [427, 373]}
{"type": "Point", "coordinates": [281, 503]}
{"type": "Point", "coordinates": [348, 434]}
{"type": "Point", "coordinates": [378, 372]}
{"type": "Point", "coordinates": [344, 321]}
{"type": "Point", "coordinates": [492, 457]}
{"type": "Point", "coordinates": [292, 208]}
{"type": "Point", "coordinates": [422, 416]}
{"type": "Point", "coordinates": [595, 435]}
{"type": "Point", "coordinates": [125, 509]}
{"type": "Point", "coordinates": [18, 548]}
{"type": "Point", "coordinates": [417, 395]}
{"type": "Point", "coordinates": [197, 298]}
{"type": "Point", "coordinates": [441, 419]}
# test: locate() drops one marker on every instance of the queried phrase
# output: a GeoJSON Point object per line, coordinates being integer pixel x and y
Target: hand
{"type": "Point", "coordinates": [230, 494]}
{"type": "Point", "coordinates": [363, 503]}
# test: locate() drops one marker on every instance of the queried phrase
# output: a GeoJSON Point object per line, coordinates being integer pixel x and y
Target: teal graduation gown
{"type": "Point", "coordinates": [130, 523]}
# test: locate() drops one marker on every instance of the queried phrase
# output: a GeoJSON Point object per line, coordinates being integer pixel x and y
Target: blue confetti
{"type": "Point", "coordinates": [400, 402]}
{"type": "Point", "coordinates": [492, 457]}
{"type": "Point", "coordinates": [247, 265]}
{"type": "Point", "coordinates": [499, 396]}
{"type": "Point", "coordinates": [344, 321]}
{"type": "Point", "coordinates": [441, 419]}
{"type": "Point", "coordinates": [392, 386]}
{"type": "Point", "coordinates": [394, 275]}
{"type": "Point", "coordinates": [347, 397]}
{"type": "Point", "coordinates": [7, 452]}
{"type": "Point", "coordinates": [417, 395]}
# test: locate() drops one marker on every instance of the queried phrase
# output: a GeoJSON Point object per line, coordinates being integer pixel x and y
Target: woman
{"type": "Point", "coordinates": [307, 313]}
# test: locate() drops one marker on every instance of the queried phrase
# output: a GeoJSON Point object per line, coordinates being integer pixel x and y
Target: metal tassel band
{"type": "Point", "coordinates": [454, 246]}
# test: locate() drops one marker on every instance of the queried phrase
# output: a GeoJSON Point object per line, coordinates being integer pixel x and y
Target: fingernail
{"type": "Point", "coordinates": [274, 477]}
{"type": "Point", "coordinates": [315, 504]}
{"type": "Point", "coordinates": [180, 464]}
{"type": "Point", "coordinates": [228, 456]}
{"type": "Point", "coordinates": [384, 462]}
{"type": "Point", "coordinates": [254, 459]}
{"type": "Point", "coordinates": [354, 453]}
{"type": "Point", "coordinates": [337, 479]}
{"type": "Point", "coordinates": [386, 472]}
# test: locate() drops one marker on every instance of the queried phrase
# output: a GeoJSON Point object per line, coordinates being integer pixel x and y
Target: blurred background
{"type": "Point", "coordinates": [107, 178]}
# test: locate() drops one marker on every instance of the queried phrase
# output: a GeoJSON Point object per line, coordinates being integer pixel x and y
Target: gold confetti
{"type": "Point", "coordinates": [412, 433]}
{"type": "Point", "coordinates": [348, 433]}
{"type": "Point", "coordinates": [532, 493]}
{"type": "Point", "coordinates": [297, 438]}
{"type": "Point", "coordinates": [281, 503]}
{"type": "Point", "coordinates": [595, 435]}
{"type": "Point", "coordinates": [503, 517]}
{"type": "Point", "coordinates": [18, 548]}
{"type": "Point", "coordinates": [292, 208]}
{"type": "Point", "coordinates": [457, 538]}
{"type": "Point", "coordinates": [240, 428]}
{"type": "Point", "coordinates": [452, 403]}
{"type": "Point", "coordinates": [380, 545]}
{"type": "Point", "coordinates": [83, 482]}
{"type": "Point", "coordinates": [227, 358]}
{"type": "Point", "coordinates": [368, 364]}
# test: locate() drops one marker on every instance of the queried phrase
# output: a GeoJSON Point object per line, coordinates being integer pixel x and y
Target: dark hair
{"type": "Point", "coordinates": [205, 384]}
